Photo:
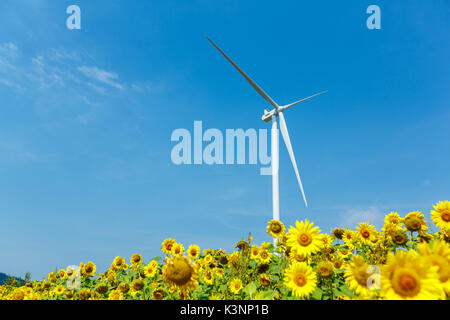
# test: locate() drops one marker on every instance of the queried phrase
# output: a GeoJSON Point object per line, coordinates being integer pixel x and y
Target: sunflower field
{"type": "Point", "coordinates": [405, 260]}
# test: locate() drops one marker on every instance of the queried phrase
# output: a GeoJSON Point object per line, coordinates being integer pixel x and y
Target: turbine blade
{"type": "Point", "coordinates": [293, 104]}
{"type": "Point", "coordinates": [252, 83]}
{"type": "Point", "coordinates": [287, 141]}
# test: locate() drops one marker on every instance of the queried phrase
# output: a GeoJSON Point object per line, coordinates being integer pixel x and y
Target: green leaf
{"type": "Point", "coordinates": [317, 294]}
{"type": "Point", "coordinates": [250, 289]}
{"type": "Point", "coordinates": [269, 294]}
{"type": "Point", "coordinates": [346, 290]}
{"type": "Point", "coordinates": [265, 295]}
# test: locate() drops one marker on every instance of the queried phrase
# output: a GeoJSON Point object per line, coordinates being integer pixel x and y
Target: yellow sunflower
{"type": "Point", "coordinates": [166, 245]}
{"type": "Point", "coordinates": [344, 253]}
{"type": "Point", "coordinates": [337, 262]}
{"type": "Point", "coordinates": [62, 274]}
{"type": "Point", "coordinates": [59, 290]}
{"type": "Point", "coordinates": [399, 237]}
{"type": "Point", "coordinates": [300, 279]}
{"type": "Point", "coordinates": [415, 221]}
{"type": "Point", "coordinates": [158, 294]}
{"type": "Point", "coordinates": [365, 232]}
{"type": "Point", "coordinates": [327, 240]}
{"type": "Point", "coordinates": [181, 272]}
{"type": "Point", "coordinates": [325, 269]}
{"type": "Point", "coordinates": [137, 285]}
{"type": "Point", "coordinates": [409, 276]}
{"type": "Point", "coordinates": [295, 257]}
{"type": "Point", "coordinates": [235, 285]}
{"type": "Point", "coordinates": [118, 262]}
{"type": "Point", "coordinates": [358, 275]}
{"type": "Point", "coordinates": [208, 259]}
{"type": "Point", "coordinates": [438, 254]}
{"type": "Point", "coordinates": [115, 295]}
{"type": "Point", "coordinates": [208, 251]}
{"type": "Point", "coordinates": [349, 236]}
{"type": "Point", "coordinates": [177, 249]}
{"type": "Point", "coordinates": [150, 269]}
{"type": "Point", "coordinates": [441, 215]}
{"type": "Point", "coordinates": [193, 251]}
{"type": "Point", "coordinates": [304, 238]}
{"type": "Point", "coordinates": [219, 272]}
{"type": "Point", "coordinates": [51, 277]}
{"type": "Point", "coordinates": [264, 256]}
{"type": "Point", "coordinates": [135, 259]}
{"type": "Point", "coordinates": [276, 228]}
{"type": "Point", "coordinates": [208, 277]}
{"type": "Point", "coordinates": [254, 252]}
{"type": "Point", "coordinates": [389, 228]}
{"type": "Point", "coordinates": [89, 269]}
{"type": "Point", "coordinates": [393, 218]}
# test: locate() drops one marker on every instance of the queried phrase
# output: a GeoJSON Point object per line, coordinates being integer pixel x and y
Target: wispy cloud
{"type": "Point", "coordinates": [8, 55]}
{"type": "Point", "coordinates": [55, 68]}
{"type": "Point", "coordinates": [105, 77]}
{"type": "Point", "coordinates": [352, 216]}
{"type": "Point", "coordinates": [8, 51]}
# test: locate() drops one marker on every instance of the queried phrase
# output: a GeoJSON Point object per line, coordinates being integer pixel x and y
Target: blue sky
{"type": "Point", "coordinates": [86, 118]}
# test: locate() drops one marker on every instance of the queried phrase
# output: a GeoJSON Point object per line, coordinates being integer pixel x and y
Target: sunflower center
{"type": "Point", "coordinates": [406, 283]}
{"type": "Point", "coordinates": [300, 280]}
{"type": "Point", "coordinates": [365, 234]}
{"type": "Point", "coordinates": [325, 270]}
{"type": "Point", "coordinates": [337, 263]}
{"type": "Point", "coordinates": [304, 239]}
{"type": "Point", "coordinates": [413, 224]}
{"type": "Point", "coordinates": [276, 228]}
{"type": "Point", "coordinates": [158, 294]}
{"type": "Point", "coordinates": [446, 216]}
{"type": "Point", "coordinates": [399, 237]}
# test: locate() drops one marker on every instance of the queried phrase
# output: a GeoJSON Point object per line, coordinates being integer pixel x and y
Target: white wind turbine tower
{"type": "Point", "coordinates": [277, 112]}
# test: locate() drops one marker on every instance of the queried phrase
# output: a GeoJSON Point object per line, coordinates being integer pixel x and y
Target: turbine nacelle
{"type": "Point", "coordinates": [267, 116]}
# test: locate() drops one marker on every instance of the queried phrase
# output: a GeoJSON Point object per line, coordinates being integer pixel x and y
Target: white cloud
{"type": "Point", "coordinates": [353, 216]}
{"type": "Point", "coordinates": [102, 76]}
{"type": "Point", "coordinates": [9, 49]}
{"type": "Point", "coordinates": [8, 53]}
{"type": "Point", "coordinates": [10, 84]}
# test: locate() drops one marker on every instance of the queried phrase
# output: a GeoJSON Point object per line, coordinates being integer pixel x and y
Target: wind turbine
{"type": "Point", "coordinates": [277, 112]}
